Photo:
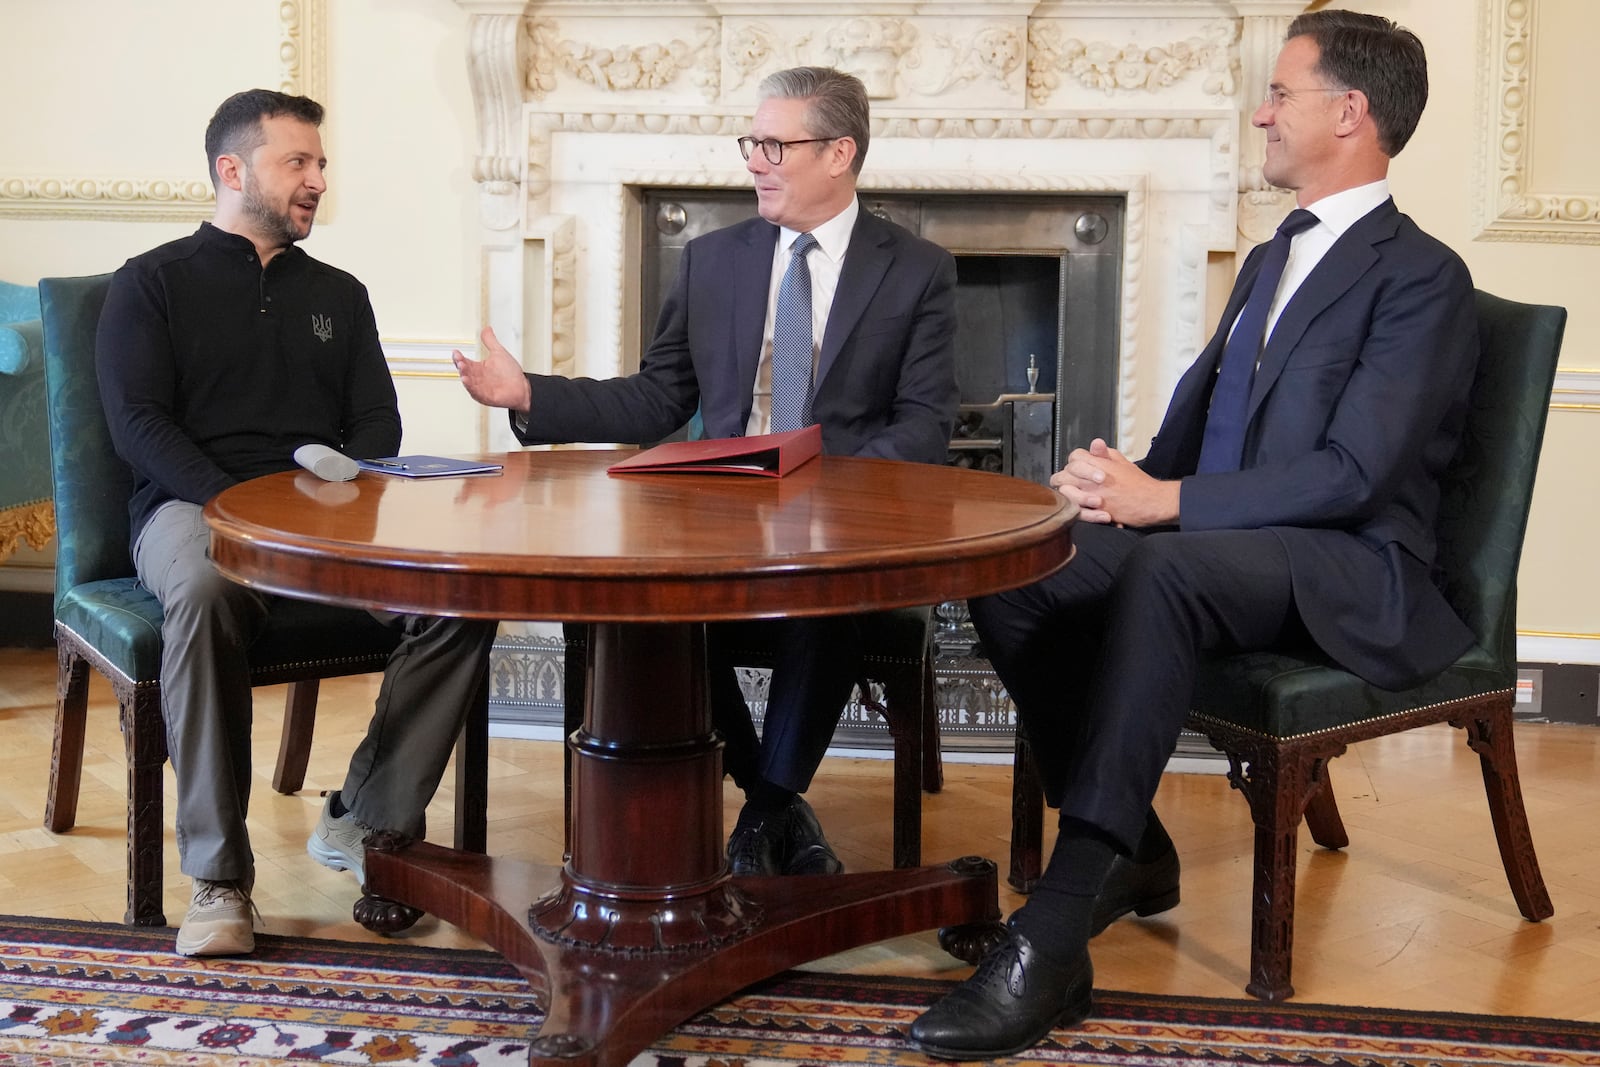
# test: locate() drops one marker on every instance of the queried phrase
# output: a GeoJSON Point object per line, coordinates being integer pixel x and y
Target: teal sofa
{"type": "Point", "coordinates": [25, 510]}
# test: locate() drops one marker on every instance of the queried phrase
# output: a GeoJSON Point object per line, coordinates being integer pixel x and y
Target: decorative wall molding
{"type": "Point", "coordinates": [619, 69]}
{"type": "Point", "coordinates": [1510, 209]}
{"type": "Point", "coordinates": [1576, 390]}
{"type": "Point", "coordinates": [1111, 67]}
{"type": "Point", "coordinates": [303, 58]}
{"type": "Point", "coordinates": [1119, 126]}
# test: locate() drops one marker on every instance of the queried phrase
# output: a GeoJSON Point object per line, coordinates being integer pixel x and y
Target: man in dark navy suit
{"type": "Point", "coordinates": [1288, 501]}
{"type": "Point", "coordinates": [815, 312]}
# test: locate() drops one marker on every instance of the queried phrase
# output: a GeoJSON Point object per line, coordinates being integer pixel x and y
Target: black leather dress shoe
{"type": "Point", "coordinates": [804, 849]}
{"type": "Point", "coordinates": [1014, 998]}
{"type": "Point", "coordinates": [1142, 888]}
{"type": "Point", "coordinates": [754, 845]}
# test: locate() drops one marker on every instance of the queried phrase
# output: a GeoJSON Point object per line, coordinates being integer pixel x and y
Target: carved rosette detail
{"type": "Point", "coordinates": [750, 48]}
{"type": "Point", "coordinates": [872, 50]}
{"type": "Point", "coordinates": [623, 68]}
{"type": "Point", "coordinates": [1260, 212]}
{"type": "Point", "coordinates": [1110, 68]}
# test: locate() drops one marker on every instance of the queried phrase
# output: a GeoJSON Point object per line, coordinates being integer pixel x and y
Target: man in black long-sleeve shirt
{"type": "Point", "coordinates": [218, 355]}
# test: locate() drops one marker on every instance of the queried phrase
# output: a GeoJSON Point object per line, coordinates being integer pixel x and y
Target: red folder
{"type": "Point", "coordinates": [772, 455]}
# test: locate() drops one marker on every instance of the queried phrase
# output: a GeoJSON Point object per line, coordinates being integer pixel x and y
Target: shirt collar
{"type": "Point", "coordinates": [1340, 211]}
{"type": "Point", "coordinates": [833, 236]}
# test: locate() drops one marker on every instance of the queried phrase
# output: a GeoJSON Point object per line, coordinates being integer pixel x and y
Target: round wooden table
{"type": "Point", "coordinates": [643, 926]}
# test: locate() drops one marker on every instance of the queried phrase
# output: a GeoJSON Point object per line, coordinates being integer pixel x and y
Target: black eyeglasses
{"type": "Point", "coordinates": [773, 148]}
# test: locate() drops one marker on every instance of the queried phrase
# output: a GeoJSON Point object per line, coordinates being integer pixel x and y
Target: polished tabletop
{"type": "Point", "coordinates": [556, 537]}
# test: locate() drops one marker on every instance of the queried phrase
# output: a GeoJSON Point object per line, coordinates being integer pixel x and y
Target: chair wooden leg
{"type": "Point", "coordinates": [1489, 735]}
{"type": "Point", "coordinates": [1278, 780]}
{"type": "Point", "coordinates": [66, 760]}
{"type": "Point", "coordinates": [1027, 820]}
{"type": "Point", "coordinates": [1322, 817]}
{"type": "Point", "coordinates": [932, 755]}
{"type": "Point", "coordinates": [294, 744]}
{"type": "Point", "coordinates": [905, 717]}
{"type": "Point", "coordinates": [472, 775]}
{"type": "Point", "coordinates": [145, 742]}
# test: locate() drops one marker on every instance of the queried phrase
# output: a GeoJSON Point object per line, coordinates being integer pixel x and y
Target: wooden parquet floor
{"type": "Point", "coordinates": [1414, 914]}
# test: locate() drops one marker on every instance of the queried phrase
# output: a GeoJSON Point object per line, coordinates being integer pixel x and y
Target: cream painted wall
{"type": "Point", "coordinates": [117, 89]}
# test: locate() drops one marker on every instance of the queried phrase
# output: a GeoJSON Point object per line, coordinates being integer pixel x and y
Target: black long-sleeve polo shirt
{"type": "Point", "coordinates": [213, 371]}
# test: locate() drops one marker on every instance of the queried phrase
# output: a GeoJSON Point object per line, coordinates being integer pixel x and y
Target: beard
{"type": "Point", "coordinates": [278, 227]}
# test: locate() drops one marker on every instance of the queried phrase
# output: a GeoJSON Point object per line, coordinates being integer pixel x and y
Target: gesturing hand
{"type": "Point", "coordinates": [497, 379]}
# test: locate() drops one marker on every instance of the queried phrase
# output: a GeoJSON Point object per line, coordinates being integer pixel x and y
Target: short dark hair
{"type": "Point", "coordinates": [1373, 54]}
{"type": "Point", "coordinates": [838, 103]}
{"type": "Point", "coordinates": [235, 129]}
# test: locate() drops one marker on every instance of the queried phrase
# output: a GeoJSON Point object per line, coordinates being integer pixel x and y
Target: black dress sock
{"type": "Point", "coordinates": [764, 798]}
{"type": "Point", "coordinates": [336, 806]}
{"type": "Point", "coordinates": [1059, 912]}
{"type": "Point", "coordinates": [1154, 842]}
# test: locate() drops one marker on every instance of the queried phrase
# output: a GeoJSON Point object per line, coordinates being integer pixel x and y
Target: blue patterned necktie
{"type": "Point", "coordinates": [1223, 445]}
{"type": "Point", "coordinates": [791, 340]}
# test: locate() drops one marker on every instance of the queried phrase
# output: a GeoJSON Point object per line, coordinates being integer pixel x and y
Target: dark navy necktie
{"type": "Point", "coordinates": [1223, 445]}
{"type": "Point", "coordinates": [791, 340]}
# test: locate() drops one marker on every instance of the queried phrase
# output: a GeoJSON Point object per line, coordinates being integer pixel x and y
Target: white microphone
{"type": "Point", "coordinates": [326, 463]}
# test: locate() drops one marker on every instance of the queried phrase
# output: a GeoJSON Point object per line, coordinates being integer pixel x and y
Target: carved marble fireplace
{"type": "Point", "coordinates": [583, 105]}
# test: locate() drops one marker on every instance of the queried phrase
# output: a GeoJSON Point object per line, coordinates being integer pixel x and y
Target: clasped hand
{"type": "Point", "coordinates": [497, 379]}
{"type": "Point", "coordinates": [1108, 487]}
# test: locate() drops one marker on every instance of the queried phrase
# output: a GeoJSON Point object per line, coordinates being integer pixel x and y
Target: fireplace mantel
{"type": "Point", "coordinates": [582, 102]}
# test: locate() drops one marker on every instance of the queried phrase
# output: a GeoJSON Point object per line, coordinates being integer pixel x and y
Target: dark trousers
{"type": "Point", "coordinates": [815, 663]}
{"type": "Point", "coordinates": [1100, 657]}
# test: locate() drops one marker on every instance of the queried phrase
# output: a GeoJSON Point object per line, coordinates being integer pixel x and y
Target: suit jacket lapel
{"type": "Point", "coordinates": [1351, 256]}
{"type": "Point", "coordinates": [865, 264]}
{"type": "Point", "coordinates": [752, 281]}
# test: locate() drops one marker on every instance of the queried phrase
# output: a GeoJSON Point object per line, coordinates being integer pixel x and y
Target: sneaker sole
{"type": "Point", "coordinates": [217, 943]}
{"type": "Point", "coordinates": [332, 858]}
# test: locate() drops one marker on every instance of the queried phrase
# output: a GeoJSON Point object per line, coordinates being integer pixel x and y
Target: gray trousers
{"type": "Point", "coordinates": [427, 689]}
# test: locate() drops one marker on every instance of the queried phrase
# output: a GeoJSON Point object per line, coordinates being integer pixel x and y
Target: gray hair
{"type": "Point", "coordinates": [838, 103]}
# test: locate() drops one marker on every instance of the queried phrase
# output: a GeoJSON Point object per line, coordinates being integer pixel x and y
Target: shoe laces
{"type": "Point", "coordinates": [211, 891]}
{"type": "Point", "coordinates": [1002, 967]}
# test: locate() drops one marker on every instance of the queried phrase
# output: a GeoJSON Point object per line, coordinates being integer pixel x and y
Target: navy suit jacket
{"type": "Point", "coordinates": [885, 381]}
{"type": "Point", "coordinates": [1355, 410]}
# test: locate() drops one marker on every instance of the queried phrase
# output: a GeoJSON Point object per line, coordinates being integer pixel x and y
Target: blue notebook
{"type": "Point", "coordinates": [427, 466]}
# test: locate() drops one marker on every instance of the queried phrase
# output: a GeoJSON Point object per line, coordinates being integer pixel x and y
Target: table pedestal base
{"type": "Point", "coordinates": [604, 1005]}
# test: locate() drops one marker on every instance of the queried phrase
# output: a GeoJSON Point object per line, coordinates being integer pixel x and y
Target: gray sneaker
{"type": "Point", "coordinates": [337, 843]}
{"type": "Point", "coordinates": [220, 919]}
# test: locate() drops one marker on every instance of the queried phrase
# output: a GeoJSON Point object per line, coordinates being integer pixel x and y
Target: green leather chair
{"type": "Point", "coordinates": [896, 654]}
{"type": "Point", "coordinates": [1280, 720]}
{"type": "Point", "coordinates": [25, 513]}
{"type": "Point", "coordinates": [106, 620]}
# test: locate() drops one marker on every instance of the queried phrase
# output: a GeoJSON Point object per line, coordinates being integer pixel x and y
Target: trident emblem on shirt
{"type": "Point", "coordinates": [322, 326]}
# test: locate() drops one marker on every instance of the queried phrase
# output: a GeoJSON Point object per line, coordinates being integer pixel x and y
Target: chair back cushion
{"type": "Point", "coordinates": [91, 483]}
{"type": "Point", "coordinates": [1483, 507]}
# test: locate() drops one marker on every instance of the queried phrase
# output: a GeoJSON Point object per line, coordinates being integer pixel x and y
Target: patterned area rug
{"type": "Point", "coordinates": [73, 994]}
